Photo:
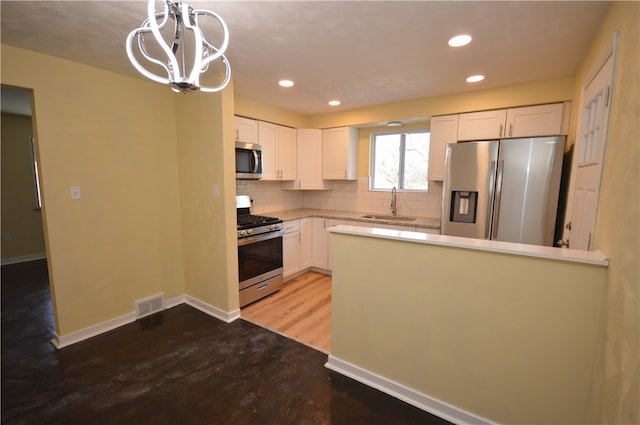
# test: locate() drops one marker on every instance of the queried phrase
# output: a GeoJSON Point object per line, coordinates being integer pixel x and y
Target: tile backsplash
{"type": "Point", "coordinates": [269, 196]}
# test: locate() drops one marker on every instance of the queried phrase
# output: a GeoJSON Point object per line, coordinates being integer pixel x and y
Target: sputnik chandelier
{"type": "Point", "coordinates": [176, 36]}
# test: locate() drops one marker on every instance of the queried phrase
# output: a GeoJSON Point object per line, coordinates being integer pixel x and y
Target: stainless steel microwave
{"type": "Point", "coordinates": [248, 161]}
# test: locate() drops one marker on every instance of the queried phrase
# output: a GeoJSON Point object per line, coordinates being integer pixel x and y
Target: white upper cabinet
{"type": "Point", "coordinates": [444, 129]}
{"type": "Point", "coordinates": [531, 121]}
{"type": "Point", "coordinates": [483, 125]}
{"type": "Point", "coordinates": [309, 161]}
{"type": "Point", "coordinates": [278, 151]}
{"type": "Point", "coordinates": [287, 152]}
{"type": "Point", "coordinates": [246, 130]}
{"type": "Point", "coordinates": [528, 121]}
{"type": "Point", "coordinates": [340, 153]}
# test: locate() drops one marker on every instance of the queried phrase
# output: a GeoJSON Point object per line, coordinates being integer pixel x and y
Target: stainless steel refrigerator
{"type": "Point", "coordinates": [504, 190]}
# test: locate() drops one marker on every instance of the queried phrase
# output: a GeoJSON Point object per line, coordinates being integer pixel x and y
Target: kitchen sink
{"type": "Point", "coordinates": [389, 217]}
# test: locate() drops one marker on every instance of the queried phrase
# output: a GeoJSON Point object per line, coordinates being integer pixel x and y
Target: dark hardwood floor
{"type": "Point", "coordinates": [176, 367]}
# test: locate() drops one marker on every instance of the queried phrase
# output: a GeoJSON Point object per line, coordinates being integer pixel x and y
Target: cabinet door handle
{"type": "Point", "coordinates": [510, 130]}
{"type": "Point", "coordinates": [500, 132]}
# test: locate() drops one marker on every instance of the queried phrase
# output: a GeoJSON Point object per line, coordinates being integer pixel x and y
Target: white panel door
{"type": "Point", "coordinates": [589, 155]}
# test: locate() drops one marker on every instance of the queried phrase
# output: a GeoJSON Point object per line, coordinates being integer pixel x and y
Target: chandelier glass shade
{"type": "Point", "coordinates": [174, 49]}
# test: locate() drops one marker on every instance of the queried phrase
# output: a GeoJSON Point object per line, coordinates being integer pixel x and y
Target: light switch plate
{"type": "Point", "coordinates": [75, 193]}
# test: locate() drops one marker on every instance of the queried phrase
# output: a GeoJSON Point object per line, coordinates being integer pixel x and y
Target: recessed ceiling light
{"type": "Point", "coordinates": [285, 83]}
{"type": "Point", "coordinates": [334, 102]}
{"type": "Point", "coordinates": [460, 40]}
{"type": "Point", "coordinates": [475, 78]}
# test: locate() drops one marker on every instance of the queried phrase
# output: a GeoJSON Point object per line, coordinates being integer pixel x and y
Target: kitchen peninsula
{"type": "Point", "coordinates": [465, 327]}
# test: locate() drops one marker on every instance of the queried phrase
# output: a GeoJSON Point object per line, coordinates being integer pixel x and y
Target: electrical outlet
{"type": "Point", "coordinates": [216, 191]}
{"type": "Point", "coordinates": [8, 237]}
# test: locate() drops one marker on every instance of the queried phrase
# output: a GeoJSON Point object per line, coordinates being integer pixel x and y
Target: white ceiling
{"type": "Point", "coordinates": [361, 52]}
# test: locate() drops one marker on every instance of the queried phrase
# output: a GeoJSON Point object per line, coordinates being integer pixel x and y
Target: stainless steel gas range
{"type": "Point", "coordinates": [259, 253]}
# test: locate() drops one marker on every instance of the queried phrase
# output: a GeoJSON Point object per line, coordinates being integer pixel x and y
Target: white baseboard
{"type": "Point", "coordinates": [225, 316]}
{"type": "Point", "coordinates": [78, 336]}
{"type": "Point", "coordinates": [174, 302]}
{"type": "Point", "coordinates": [23, 258]}
{"type": "Point", "coordinates": [81, 335]}
{"type": "Point", "coordinates": [421, 401]}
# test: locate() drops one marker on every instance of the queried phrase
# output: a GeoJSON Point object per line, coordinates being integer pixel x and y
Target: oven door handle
{"type": "Point", "coordinates": [259, 238]}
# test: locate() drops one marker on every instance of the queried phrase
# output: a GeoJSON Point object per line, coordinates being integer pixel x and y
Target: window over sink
{"type": "Point", "coordinates": [400, 160]}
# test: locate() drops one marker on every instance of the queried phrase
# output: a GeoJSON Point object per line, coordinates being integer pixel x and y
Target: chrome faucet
{"type": "Point", "coordinates": [394, 206]}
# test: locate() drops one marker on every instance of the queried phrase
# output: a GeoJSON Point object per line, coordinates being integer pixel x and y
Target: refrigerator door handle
{"type": "Point", "coordinates": [496, 207]}
{"type": "Point", "coordinates": [487, 225]}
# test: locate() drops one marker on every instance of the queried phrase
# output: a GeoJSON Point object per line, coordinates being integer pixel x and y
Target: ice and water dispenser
{"type": "Point", "coordinates": [464, 205]}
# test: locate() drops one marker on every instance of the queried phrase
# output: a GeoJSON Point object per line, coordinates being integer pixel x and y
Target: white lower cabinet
{"type": "Point", "coordinates": [306, 235]}
{"type": "Point", "coordinates": [321, 250]}
{"type": "Point", "coordinates": [291, 248]}
{"type": "Point", "coordinates": [296, 247]}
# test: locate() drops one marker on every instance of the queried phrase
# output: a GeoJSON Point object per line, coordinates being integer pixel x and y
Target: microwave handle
{"type": "Point", "coordinates": [256, 160]}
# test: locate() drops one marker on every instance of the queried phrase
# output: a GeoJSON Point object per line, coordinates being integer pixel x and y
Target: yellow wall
{"type": "Point", "coordinates": [618, 222]}
{"type": "Point", "coordinates": [547, 91]}
{"type": "Point", "coordinates": [206, 153]}
{"type": "Point", "coordinates": [20, 217]}
{"type": "Point", "coordinates": [250, 108]}
{"type": "Point", "coordinates": [508, 338]}
{"type": "Point", "coordinates": [115, 137]}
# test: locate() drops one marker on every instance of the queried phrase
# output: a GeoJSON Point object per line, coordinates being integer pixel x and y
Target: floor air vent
{"type": "Point", "coordinates": [149, 306]}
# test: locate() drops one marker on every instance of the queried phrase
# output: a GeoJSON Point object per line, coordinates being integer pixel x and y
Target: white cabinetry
{"type": "Point", "coordinates": [340, 153]}
{"type": "Point", "coordinates": [291, 248]}
{"type": "Point", "coordinates": [531, 121]}
{"type": "Point", "coordinates": [483, 125]}
{"type": "Point", "coordinates": [528, 121]}
{"type": "Point", "coordinates": [246, 130]}
{"type": "Point", "coordinates": [444, 129]}
{"type": "Point", "coordinates": [319, 243]}
{"type": "Point", "coordinates": [278, 151]}
{"type": "Point", "coordinates": [309, 160]}
{"type": "Point", "coordinates": [296, 247]}
{"type": "Point", "coordinates": [321, 251]}
{"type": "Point", "coordinates": [306, 238]}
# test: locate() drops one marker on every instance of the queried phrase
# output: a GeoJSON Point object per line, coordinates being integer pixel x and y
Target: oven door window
{"type": "Point", "coordinates": [257, 258]}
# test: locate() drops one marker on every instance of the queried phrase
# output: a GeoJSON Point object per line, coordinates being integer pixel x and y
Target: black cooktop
{"type": "Point", "coordinates": [249, 221]}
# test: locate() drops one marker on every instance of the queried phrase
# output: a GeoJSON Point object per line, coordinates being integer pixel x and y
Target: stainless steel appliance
{"type": "Point", "coordinates": [259, 253]}
{"type": "Point", "coordinates": [248, 161]}
{"type": "Point", "coordinates": [503, 190]}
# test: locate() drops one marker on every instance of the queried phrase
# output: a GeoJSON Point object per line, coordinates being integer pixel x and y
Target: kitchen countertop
{"type": "Point", "coordinates": [595, 258]}
{"type": "Point", "coordinates": [418, 222]}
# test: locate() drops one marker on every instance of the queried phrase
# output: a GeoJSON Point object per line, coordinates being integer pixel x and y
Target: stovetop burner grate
{"type": "Point", "coordinates": [247, 221]}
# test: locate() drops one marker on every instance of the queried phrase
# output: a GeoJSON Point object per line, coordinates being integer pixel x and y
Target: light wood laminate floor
{"type": "Point", "coordinates": [301, 310]}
